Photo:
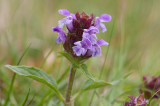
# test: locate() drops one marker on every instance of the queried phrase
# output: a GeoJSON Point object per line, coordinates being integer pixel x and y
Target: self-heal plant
{"type": "Point", "coordinates": [80, 41]}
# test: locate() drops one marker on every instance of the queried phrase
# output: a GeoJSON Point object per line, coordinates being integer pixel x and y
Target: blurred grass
{"type": "Point", "coordinates": [134, 46]}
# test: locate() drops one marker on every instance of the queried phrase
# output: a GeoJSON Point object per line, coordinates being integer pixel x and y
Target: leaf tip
{"type": "Point", "coordinates": [7, 65]}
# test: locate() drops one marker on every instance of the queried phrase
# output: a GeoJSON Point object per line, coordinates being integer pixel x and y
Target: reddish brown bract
{"type": "Point", "coordinates": [82, 21]}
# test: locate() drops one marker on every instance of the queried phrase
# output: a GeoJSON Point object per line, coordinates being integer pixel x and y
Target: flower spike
{"type": "Point", "coordinates": [81, 41]}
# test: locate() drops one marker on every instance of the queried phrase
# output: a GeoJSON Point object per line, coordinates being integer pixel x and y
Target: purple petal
{"type": "Point", "coordinates": [69, 19]}
{"type": "Point", "coordinates": [70, 26]}
{"type": "Point", "coordinates": [93, 41]}
{"type": "Point", "coordinates": [90, 34]}
{"type": "Point", "coordinates": [78, 43]}
{"type": "Point", "coordinates": [103, 27]}
{"type": "Point", "coordinates": [102, 42]}
{"type": "Point", "coordinates": [56, 29]}
{"type": "Point", "coordinates": [86, 44]}
{"type": "Point", "coordinates": [94, 29]}
{"type": "Point", "coordinates": [61, 38]}
{"type": "Point", "coordinates": [73, 15]}
{"type": "Point", "coordinates": [85, 35]}
{"type": "Point", "coordinates": [96, 51]}
{"type": "Point", "coordinates": [91, 30]}
{"type": "Point", "coordinates": [77, 50]}
{"type": "Point", "coordinates": [84, 51]}
{"type": "Point", "coordinates": [97, 22]}
{"type": "Point", "coordinates": [66, 21]}
{"type": "Point", "coordinates": [61, 35]}
{"type": "Point", "coordinates": [69, 22]}
{"type": "Point", "coordinates": [92, 37]}
{"type": "Point", "coordinates": [81, 47]}
{"type": "Point", "coordinates": [64, 12]}
{"type": "Point", "coordinates": [61, 22]}
{"type": "Point", "coordinates": [105, 18]}
{"type": "Point", "coordinates": [58, 39]}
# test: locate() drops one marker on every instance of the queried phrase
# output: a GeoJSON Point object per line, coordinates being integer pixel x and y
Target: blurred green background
{"type": "Point", "coordinates": [133, 33]}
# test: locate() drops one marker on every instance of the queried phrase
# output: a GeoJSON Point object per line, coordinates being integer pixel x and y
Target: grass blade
{"type": "Point", "coordinates": [26, 98]}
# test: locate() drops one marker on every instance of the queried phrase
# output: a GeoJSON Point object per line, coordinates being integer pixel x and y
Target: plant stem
{"type": "Point", "coordinates": [10, 90]}
{"type": "Point", "coordinates": [70, 84]}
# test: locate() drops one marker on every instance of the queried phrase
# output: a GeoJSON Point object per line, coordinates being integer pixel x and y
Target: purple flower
{"type": "Point", "coordinates": [103, 18]}
{"type": "Point", "coordinates": [90, 34]}
{"type": "Point", "coordinates": [92, 37]}
{"type": "Point", "coordinates": [131, 102]}
{"type": "Point", "coordinates": [152, 84]}
{"type": "Point", "coordinates": [136, 101]}
{"type": "Point", "coordinates": [67, 20]}
{"type": "Point", "coordinates": [96, 49]}
{"type": "Point", "coordinates": [61, 35]}
{"type": "Point", "coordinates": [81, 40]}
{"type": "Point", "coordinates": [81, 47]}
{"type": "Point", "coordinates": [91, 30]}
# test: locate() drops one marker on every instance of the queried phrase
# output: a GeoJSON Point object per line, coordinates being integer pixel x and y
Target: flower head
{"type": "Point", "coordinates": [80, 40]}
{"type": "Point", "coordinates": [136, 101]}
{"type": "Point", "coordinates": [151, 85]}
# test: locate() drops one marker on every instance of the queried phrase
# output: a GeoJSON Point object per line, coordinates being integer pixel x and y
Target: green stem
{"type": "Point", "coordinates": [10, 90]}
{"type": "Point", "coordinates": [70, 84]}
{"type": "Point", "coordinates": [61, 98]}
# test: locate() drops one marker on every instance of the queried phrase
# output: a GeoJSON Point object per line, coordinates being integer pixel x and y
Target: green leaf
{"type": "Point", "coordinates": [91, 84]}
{"type": "Point", "coordinates": [85, 70]}
{"type": "Point", "coordinates": [95, 83]}
{"type": "Point", "coordinates": [70, 58]}
{"type": "Point", "coordinates": [119, 80]}
{"type": "Point", "coordinates": [37, 75]}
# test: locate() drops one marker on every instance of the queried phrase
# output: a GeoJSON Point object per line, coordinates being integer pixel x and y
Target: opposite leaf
{"type": "Point", "coordinates": [85, 70]}
{"type": "Point", "coordinates": [70, 58]}
{"type": "Point", "coordinates": [121, 79]}
{"type": "Point", "coordinates": [90, 84]}
{"type": "Point", "coordinates": [93, 82]}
